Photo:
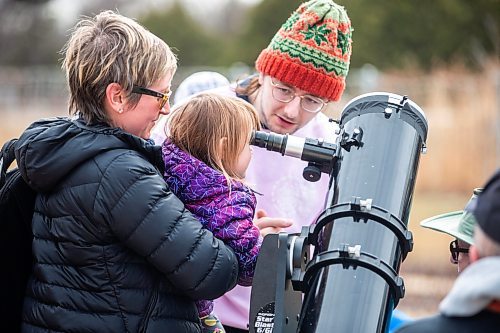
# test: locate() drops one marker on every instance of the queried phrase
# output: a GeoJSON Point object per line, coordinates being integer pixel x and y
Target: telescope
{"type": "Point", "coordinates": [340, 274]}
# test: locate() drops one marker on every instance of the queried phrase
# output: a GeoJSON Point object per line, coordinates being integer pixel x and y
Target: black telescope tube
{"type": "Point", "coordinates": [351, 284]}
{"type": "Point", "coordinates": [375, 174]}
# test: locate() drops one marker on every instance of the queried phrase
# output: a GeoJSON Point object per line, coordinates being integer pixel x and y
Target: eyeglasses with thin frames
{"type": "Point", "coordinates": [162, 98]}
{"type": "Point", "coordinates": [455, 250]}
{"type": "Point", "coordinates": [286, 94]}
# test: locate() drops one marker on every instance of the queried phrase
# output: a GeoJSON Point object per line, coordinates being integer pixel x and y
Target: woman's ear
{"type": "Point", "coordinates": [114, 99]}
{"type": "Point", "coordinates": [473, 254]}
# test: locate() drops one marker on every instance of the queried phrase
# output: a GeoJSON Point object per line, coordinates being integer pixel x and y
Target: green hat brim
{"type": "Point", "coordinates": [449, 224]}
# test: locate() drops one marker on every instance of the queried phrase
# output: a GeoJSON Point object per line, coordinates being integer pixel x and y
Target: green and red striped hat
{"type": "Point", "coordinates": [312, 50]}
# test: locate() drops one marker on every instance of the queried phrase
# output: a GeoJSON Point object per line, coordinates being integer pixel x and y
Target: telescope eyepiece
{"type": "Point", "coordinates": [270, 141]}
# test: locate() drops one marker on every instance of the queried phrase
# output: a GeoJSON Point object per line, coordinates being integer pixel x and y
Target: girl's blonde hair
{"type": "Point", "coordinates": [198, 125]}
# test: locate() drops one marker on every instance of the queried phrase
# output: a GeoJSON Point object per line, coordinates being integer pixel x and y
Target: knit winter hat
{"type": "Point", "coordinates": [312, 50]}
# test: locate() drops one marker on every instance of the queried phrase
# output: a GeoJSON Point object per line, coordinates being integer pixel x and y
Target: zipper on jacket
{"type": "Point", "coordinates": [149, 311]}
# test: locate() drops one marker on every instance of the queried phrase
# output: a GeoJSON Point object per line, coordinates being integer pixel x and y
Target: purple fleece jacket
{"type": "Point", "coordinates": [227, 213]}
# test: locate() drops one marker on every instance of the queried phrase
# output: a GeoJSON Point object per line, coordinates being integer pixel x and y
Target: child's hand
{"type": "Point", "coordinates": [269, 225]}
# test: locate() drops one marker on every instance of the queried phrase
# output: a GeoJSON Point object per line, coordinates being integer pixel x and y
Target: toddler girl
{"type": "Point", "coordinates": [206, 154]}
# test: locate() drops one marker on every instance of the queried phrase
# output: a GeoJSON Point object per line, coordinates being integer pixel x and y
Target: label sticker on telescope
{"type": "Point", "coordinates": [264, 320]}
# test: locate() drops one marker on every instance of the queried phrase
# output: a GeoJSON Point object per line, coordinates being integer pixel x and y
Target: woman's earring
{"type": "Point", "coordinates": [120, 110]}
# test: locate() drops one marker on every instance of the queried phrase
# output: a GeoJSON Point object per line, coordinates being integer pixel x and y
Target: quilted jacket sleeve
{"type": "Point", "coordinates": [151, 221]}
{"type": "Point", "coordinates": [229, 215]}
{"type": "Point", "coordinates": [240, 233]}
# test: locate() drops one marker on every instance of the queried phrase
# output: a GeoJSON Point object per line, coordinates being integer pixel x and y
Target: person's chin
{"type": "Point", "coordinates": [146, 135]}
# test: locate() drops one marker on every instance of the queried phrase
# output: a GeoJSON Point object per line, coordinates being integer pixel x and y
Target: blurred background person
{"type": "Point", "coordinates": [198, 82]}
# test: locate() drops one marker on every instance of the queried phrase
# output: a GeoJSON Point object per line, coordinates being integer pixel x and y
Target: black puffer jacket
{"type": "Point", "coordinates": [115, 250]}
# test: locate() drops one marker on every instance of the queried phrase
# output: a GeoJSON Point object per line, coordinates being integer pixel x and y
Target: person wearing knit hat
{"type": "Point", "coordinates": [301, 72]}
{"type": "Point", "coordinates": [473, 303]}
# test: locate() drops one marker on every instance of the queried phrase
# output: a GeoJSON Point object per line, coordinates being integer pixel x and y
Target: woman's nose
{"type": "Point", "coordinates": [165, 110]}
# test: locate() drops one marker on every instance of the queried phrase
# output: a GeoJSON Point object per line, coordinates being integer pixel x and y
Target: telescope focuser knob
{"type": "Point", "coordinates": [311, 173]}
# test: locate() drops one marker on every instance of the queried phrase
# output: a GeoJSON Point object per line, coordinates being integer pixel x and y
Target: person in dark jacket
{"type": "Point", "coordinates": [114, 249]}
{"type": "Point", "coordinates": [206, 156]}
{"type": "Point", "coordinates": [473, 304]}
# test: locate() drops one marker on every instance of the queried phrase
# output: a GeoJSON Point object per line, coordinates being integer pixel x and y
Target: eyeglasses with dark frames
{"type": "Point", "coordinates": [455, 250]}
{"type": "Point", "coordinates": [285, 94]}
{"type": "Point", "coordinates": [162, 98]}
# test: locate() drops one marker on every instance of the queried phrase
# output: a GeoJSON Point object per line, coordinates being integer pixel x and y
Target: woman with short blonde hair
{"type": "Point", "coordinates": [114, 250]}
